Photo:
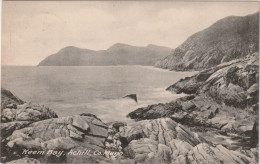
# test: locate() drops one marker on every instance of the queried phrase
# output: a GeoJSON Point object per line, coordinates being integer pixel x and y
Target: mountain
{"type": "Point", "coordinates": [230, 38]}
{"type": "Point", "coordinates": [118, 54]}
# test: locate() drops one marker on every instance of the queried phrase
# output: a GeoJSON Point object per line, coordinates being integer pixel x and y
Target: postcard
{"type": "Point", "coordinates": [155, 82]}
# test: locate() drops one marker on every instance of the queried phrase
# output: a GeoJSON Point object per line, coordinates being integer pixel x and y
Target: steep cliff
{"type": "Point", "coordinates": [230, 38]}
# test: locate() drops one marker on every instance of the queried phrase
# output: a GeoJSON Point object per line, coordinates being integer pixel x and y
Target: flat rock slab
{"type": "Point", "coordinates": [62, 133]}
{"type": "Point", "coordinates": [165, 141]}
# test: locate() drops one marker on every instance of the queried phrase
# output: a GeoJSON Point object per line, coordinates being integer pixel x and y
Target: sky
{"type": "Point", "coordinates": [33, 30]}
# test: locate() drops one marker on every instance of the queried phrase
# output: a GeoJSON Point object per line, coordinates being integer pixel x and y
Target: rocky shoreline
{"type": "Point", "coordinates": [221, 106]}
{"type": "Point", "coordinates": [33, 133]}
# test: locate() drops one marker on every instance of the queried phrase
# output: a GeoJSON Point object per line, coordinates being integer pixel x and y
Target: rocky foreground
{"type": "Point", "coordinates": [222, 104]}
{"type": "Point", "coordinates": [35, 134]}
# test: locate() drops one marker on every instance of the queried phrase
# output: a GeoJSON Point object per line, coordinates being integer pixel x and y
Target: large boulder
{"type": "Point", "coordinates": [27, 112]}
{"type": "Point", "coordinates": [15, 109]}
{"type": "Point", "coordinates": [64, 134]}
{"type": "Point", "coordinates": [13, 119]}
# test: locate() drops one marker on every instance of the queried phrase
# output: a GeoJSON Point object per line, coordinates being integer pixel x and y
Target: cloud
{"type": "Point", "coordinates": [33, 30]}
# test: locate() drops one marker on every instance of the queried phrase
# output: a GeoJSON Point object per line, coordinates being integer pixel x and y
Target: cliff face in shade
{"type": "Point", "coordinates": [230, 38]}
{"type": "Point", "coordinates": [118, 54]}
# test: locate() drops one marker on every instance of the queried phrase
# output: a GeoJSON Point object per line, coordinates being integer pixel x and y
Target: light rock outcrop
{"type": "Point", "coordinates": [27, 112]}
{"type": "Point", "coordinates": [165, 141]}
{"type": "Point", "coordinates": [148, 141]}
{"type": "Point", "coordinates": [64, 133]}
{"type": "Point", "coordinates": [15, 115]}
{"type": "Point", "coordinates": [224, 97]}
{"type": "Point", "coordinates": [204, 153]}
{"type": "Point", "coordinates": [23, 115]}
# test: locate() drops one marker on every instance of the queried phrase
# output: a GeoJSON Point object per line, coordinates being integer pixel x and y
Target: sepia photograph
{"type": "Point", "coordinates": [129, 82]}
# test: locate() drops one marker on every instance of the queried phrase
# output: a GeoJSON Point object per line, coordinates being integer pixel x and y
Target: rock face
{"type": "Point", "coordinates": [165, 141]}
{"type": "Point", "coordinates": [118, 54]}
{"type": "Point", "coordinates": [16, 114]}
{"type": "Point", "coordinates": [8, 98]}
{"type": "Point", "coordinates": [234, 83]}
{"type": "Point", "coordinates": [84, 138]}
{"type": "Point", "coordinates": [27, 112]}
{"type": "Point", "coordinates": [209, 48]}
{"type": "Point", "coordinates": [224, 98]}
{"type": "Point", "coordinates": [68, 134]}
{"type": "Point", "coordinates": [203, 153]}
{"type": "Point", "coordinates": [149, 141]}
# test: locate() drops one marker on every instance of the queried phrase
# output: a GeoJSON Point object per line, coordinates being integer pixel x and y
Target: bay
{"type": "Point", "coordinates": [91, 89]}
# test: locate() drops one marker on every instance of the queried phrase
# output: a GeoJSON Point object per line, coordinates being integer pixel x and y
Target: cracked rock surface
{"type": "Point", "coordinates": [157, 141]}
{"type": "Point", "coordinates": [165, 141]}
{"type": "Point", "coordinates": [63, 133]}
{"type": "Point", "coordinates": [223, 99]}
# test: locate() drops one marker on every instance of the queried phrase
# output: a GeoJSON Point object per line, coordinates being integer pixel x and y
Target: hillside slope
{"type": "Point", "coordinates": [230, 38]}
{"type": "Point", "coordinates": [118, 54]}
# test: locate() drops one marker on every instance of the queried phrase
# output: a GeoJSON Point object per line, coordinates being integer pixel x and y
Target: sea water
{"type": "Point", "coordinates": [91, 89]}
